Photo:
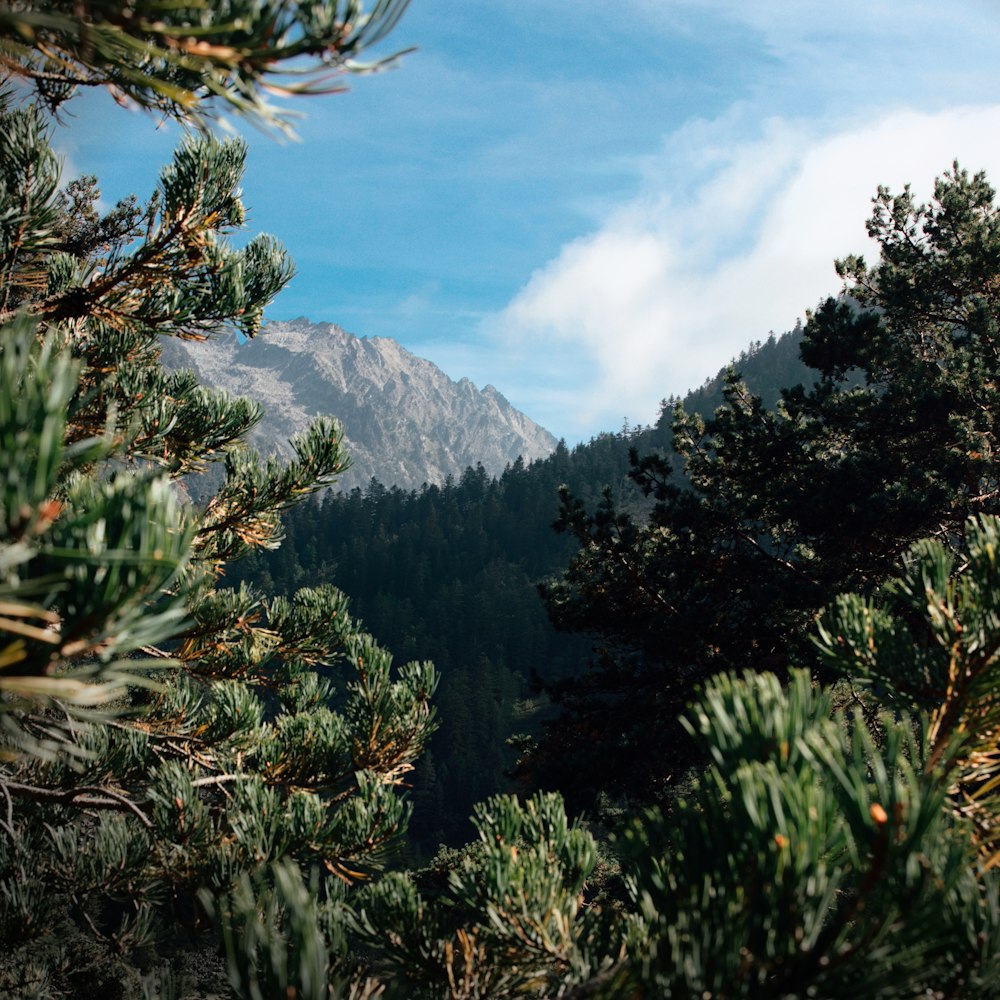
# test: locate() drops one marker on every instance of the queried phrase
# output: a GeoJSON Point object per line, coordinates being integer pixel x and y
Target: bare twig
{"type": "Point", "coordinates": [8, 825]}
{"type": "Point", "coordinates": [86, 796]}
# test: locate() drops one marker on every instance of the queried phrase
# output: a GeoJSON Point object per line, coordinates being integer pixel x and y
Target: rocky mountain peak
{"type": "Point", "coordinates": [405, 421]}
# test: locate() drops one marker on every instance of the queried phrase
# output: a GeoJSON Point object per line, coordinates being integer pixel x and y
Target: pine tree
{"type": "Point", "coordinates": [161, 734]}
{"type": "Point", "coordinates": [192, 61]}
{"type": "Point", "coordinates": [779, 509]}
{"type": "Point", "coordinates": [173, 749]}
{"type": "Point", "coordinates": [843, 841]}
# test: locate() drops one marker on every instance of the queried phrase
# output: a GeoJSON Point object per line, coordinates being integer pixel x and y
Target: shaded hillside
{"type": "Point", "coordinates": [450, 573]}
{"type": "Point", "coordinates": [766, 366]}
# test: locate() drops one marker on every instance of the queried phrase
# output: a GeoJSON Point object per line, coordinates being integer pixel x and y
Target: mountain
{"type": "Point", "coordinates": [450, 574]}
{"type": "Point", "coordinates": [406, 423]}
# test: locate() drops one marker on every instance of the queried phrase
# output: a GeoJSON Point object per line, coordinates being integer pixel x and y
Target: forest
{"type": "Point", "coordinates": [721, 696]}
{"type": "Point", "coordinates": [451, 574]}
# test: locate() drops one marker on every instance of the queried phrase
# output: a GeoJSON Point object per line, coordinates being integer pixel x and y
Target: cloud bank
{"type": "Point", "coordinates": [726, 243]}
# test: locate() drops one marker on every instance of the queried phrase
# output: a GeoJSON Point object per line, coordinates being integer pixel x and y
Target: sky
{"type": "Point", "coordinates": [593, 206]}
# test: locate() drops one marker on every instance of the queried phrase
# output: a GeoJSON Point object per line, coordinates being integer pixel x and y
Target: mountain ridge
{"type": "Point", "coordinates": [405, 421]}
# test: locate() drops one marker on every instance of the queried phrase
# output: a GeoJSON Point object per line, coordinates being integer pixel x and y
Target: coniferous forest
{"type": "Point", "coordinates": [721, 696]}
{"type": "Point", "coordinates": [451, 573]}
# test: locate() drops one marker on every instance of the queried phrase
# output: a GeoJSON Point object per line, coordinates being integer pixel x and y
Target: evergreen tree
{"type": "Point", "coordinates": [841, 843]}
{"type": "Point", "coordinates": [161, 734]}
{"type": "Point", "coordinates": [780, 509]}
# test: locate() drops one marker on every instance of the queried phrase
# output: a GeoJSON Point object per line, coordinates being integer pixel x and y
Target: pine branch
{"type": "Point", "coordinates": [84, 796]}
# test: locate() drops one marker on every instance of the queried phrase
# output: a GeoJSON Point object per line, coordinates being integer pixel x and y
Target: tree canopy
{"type": "Point", "coordinates": [161, 734]}
{"type": "Point", "coordinates": [780, 508]}
{"type": "Point", "coordinates": [831, 847]}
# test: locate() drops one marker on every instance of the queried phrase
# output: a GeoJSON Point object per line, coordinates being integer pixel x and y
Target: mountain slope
{"type": "Point", "coordinates": [449, 574]}
{"type": "Point", "coordinates": [405, 421]}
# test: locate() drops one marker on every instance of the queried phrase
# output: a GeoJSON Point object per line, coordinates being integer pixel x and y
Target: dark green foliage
{"type": "Point", "coordinates": [445, 574]}
{"type": "Point", "coordinates": [829, 848]}
{"type": "Point", "coordinates": [810, 860]}
{"type": "Point", "coordinates": [765, 366]}
{"type": "Point", "coordinates": [782, 508]}
{"type": "Point", "coordinates": [450, 573]}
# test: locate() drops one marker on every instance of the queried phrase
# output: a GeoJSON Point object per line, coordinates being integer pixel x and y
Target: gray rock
{"type": "Point", "coordinates": [405, 422]}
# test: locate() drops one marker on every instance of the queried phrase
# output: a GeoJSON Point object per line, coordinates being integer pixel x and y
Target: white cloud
{"type": "Point", "coordinates": [716, 255]}
{"type": "Point", "coordinates": [793, 28]}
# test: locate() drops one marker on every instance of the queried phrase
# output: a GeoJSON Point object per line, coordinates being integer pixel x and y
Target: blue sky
{"type": "Point", "coordinates": [590, 205]}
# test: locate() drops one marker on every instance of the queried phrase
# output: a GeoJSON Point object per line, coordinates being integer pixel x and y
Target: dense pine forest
{"type": "Point", "coordinates": [451, 574]}
{"type": "Point", "coordinates": [722, 695]}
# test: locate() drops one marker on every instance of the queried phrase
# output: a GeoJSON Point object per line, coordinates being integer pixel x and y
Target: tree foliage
{"type": "Point", "coordinates": [781, 508]}
{"type": "Point", "coordinates": [833, 838]}
{"type": "Point", "coordinates": [189, 60]}
{"type": "Point", "coordinates": [162, 735]}
{"type": "Point", "coordinates": [450, 573]}
{"type": "Point", "coordinates": [176, 750]}
{"type": "Point", "coordinates": [834, 846]}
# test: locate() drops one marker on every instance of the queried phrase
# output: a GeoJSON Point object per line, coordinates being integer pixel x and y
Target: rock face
{"type": "Point", "coordinates": [405, 421]}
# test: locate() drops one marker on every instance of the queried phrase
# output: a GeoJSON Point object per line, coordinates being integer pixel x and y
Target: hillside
{"type": "Point", "coordinates": [450, 573]}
